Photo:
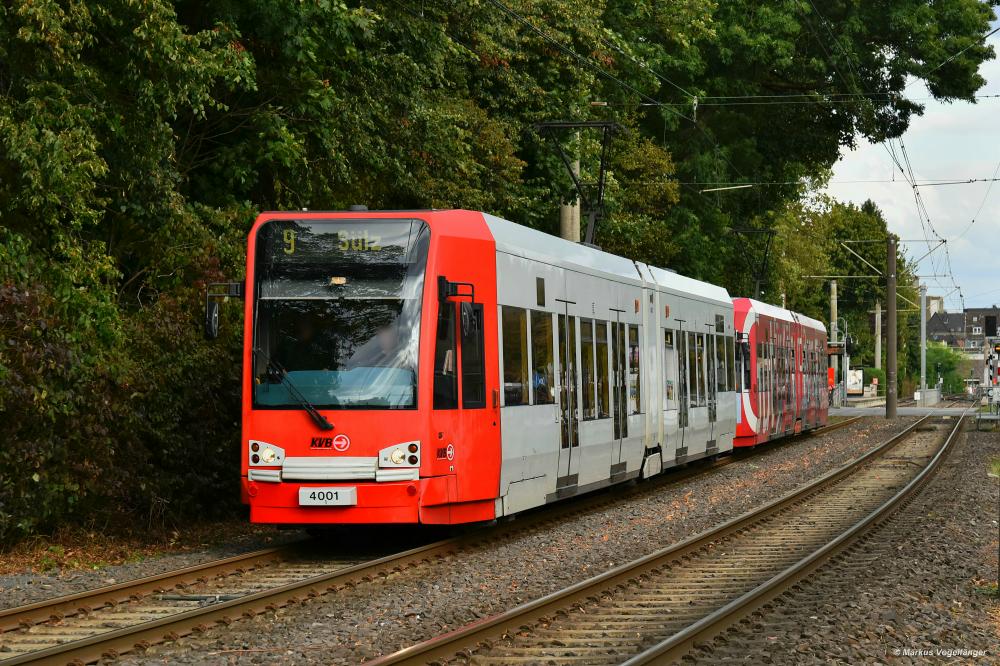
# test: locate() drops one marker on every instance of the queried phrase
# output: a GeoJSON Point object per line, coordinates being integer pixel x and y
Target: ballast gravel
{"type": "Point", "coordinates": [358, 624]}
{"type": "Point", "coordinates": [27, 587]}
{"type": "Point", "coordinates": [916, 590]}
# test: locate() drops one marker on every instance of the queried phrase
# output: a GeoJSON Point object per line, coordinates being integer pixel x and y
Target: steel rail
{"type": "Point", "coordinates": [58, 608]}
{"type": "Point", "coordinates": [111, 644]}
{"type": "Point", "coordinates": [672, 649]}
{"type": "Point", "coordinates": [462, 640]}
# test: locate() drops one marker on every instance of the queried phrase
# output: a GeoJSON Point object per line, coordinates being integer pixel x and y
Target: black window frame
{"type": "Point", "coordinates": [446, 323]}
{"type": "Point", "coordinates": [473, 365]}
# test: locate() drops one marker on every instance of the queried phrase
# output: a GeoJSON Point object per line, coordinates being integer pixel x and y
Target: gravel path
{"type": "Point", "coordinates": [911, 592]}
{"type": "Point", "coordinates": [26, 587]}
{"type": "Point", "coordinates": [355, 625]}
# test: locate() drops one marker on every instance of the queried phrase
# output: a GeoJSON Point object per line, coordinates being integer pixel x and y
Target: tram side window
{"type": "Point", "coordinates": [543, 387]}
{"type": "Point", "coordinates": [734, 372]}
{"type": "Point", "coordinates": [669, 370]}
{"type": "Point", "coordinates": [445, 377]}
{"type": "Point", "coordinates": [761, 363]}
{"type": "Point", "coordinates": [790, 372]}
{"type": "Point", "coordinates": [711, 378]}
{"type": "Point", "coordinates": [682, 378]}
{"type": "Point", "coordinates": [811, 366]}
{"type": "Point", "coordinates": [702, 369]}
{"type": "Point", "coordinates": [791, 369]}
{"type": "Point", "coordinates": [694, 372]}
{"type": "Point", "coordinates": [588, 367]}
{"type": "Point", "coordinates": [603, 384]}
{"type": "Point", "coordinates": [779, 371]}
{"type": "Point", "coordinates": [772, 366]}
{"type": "Point", "coordinates": [514, 322]}
{"type": "Point", "coordinates": [737, 362]}
{"type": "Point", "coordinates": [473, 358]}
{"type": "Point", "coordinates": [721, 376]}
{"type": "Point", "coordinates": [634, 387]}
{"type": "Point", "coordinates": [745, 354]}
{"type": "Point", "coordinates": [783, 370]}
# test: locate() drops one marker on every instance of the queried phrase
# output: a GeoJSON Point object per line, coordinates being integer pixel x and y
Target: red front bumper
{"type": "Point", "coordinates": [423, 501]}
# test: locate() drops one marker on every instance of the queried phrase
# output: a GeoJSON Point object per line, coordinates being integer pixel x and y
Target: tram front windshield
{"type": "Point", "coordinates": [337, 313]}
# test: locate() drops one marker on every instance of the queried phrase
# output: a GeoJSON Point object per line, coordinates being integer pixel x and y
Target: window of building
{"type": "Point", "coordinates": [977, 330]}
{"type": "Point", "coordinates": [514, 322]}
{"type": "Point", "coordinates": [543, 386]}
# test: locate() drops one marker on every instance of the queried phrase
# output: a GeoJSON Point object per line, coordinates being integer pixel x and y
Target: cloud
{"type": "Point", "coordinates": [951, 141]}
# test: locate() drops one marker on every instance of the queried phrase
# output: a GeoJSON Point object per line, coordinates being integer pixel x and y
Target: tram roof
{"type": "Point", "coordinates": [529, 243]}
{"type": "Point", "coordinates": [782, 314]}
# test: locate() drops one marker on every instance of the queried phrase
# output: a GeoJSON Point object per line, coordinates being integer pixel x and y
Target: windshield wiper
{"type": "Point", "coordinates": [318, 418]}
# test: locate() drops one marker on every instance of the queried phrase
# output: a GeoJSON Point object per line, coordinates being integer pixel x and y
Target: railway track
{"type": "Point", "coordinates": [107, 622]}
{"type": "Point", "coordinates": [655, 609]}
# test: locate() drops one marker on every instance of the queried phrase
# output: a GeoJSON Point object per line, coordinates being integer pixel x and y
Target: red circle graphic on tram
{"type": "Point", "coordinates": [341, 442]}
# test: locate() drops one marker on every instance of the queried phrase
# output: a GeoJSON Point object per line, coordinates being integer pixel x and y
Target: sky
{"type": "Point", "coordinates": [956, 141]}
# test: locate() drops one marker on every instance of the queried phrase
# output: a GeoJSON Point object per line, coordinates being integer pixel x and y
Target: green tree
{"type": "Point", "coordinates": [139, 139]}
{"type": "Point", "coordinates": [943, 362]}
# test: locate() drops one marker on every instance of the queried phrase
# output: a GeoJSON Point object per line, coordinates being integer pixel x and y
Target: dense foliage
{"type": "Point", "coordinates": [944, 363]}
{"type": "Point", "coordinates": [138, 138]}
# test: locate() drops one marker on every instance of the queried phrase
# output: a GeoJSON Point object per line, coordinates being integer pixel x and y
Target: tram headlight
{"type": "Point", "coordinates": [264, 454]}
{"type": "Point", "coordinates": [404, 454]}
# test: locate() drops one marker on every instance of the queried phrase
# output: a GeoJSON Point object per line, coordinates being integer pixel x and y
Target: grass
{"type": "Point", "coordinates": [985, 588]}
{"type": "Point", "coordinates": [79, 549]}
{"type": "Point", "coordinates": [995, 467]}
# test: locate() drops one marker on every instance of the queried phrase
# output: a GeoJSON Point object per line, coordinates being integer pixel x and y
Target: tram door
{"type": "Point", "coordinates": [619, 391]}
{"type": "Point", "coordinates": [569, 420]}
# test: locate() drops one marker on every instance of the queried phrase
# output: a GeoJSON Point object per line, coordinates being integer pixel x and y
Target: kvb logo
{"type": "Point", "coordinates": [339, 443]}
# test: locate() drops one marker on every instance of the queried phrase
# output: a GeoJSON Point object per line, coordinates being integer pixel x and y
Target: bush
{"type": "Point", "coordinates": [879, 373]}
{"type": "Point", "coordinates": [110, 416]}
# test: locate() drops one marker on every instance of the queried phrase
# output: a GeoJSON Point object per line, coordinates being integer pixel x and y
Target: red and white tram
{"type": "Point", "coordinates": [783, 358]}
{"type": "Point", "coordinates": [450, 367]}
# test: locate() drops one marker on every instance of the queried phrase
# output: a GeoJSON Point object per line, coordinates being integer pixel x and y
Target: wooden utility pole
{"type": "Point", "coordinates": [594, 203]}
{"type": "Point", "coordinates": [890, 328]}
{"type": "Point", "coordinates": [569, 213]}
